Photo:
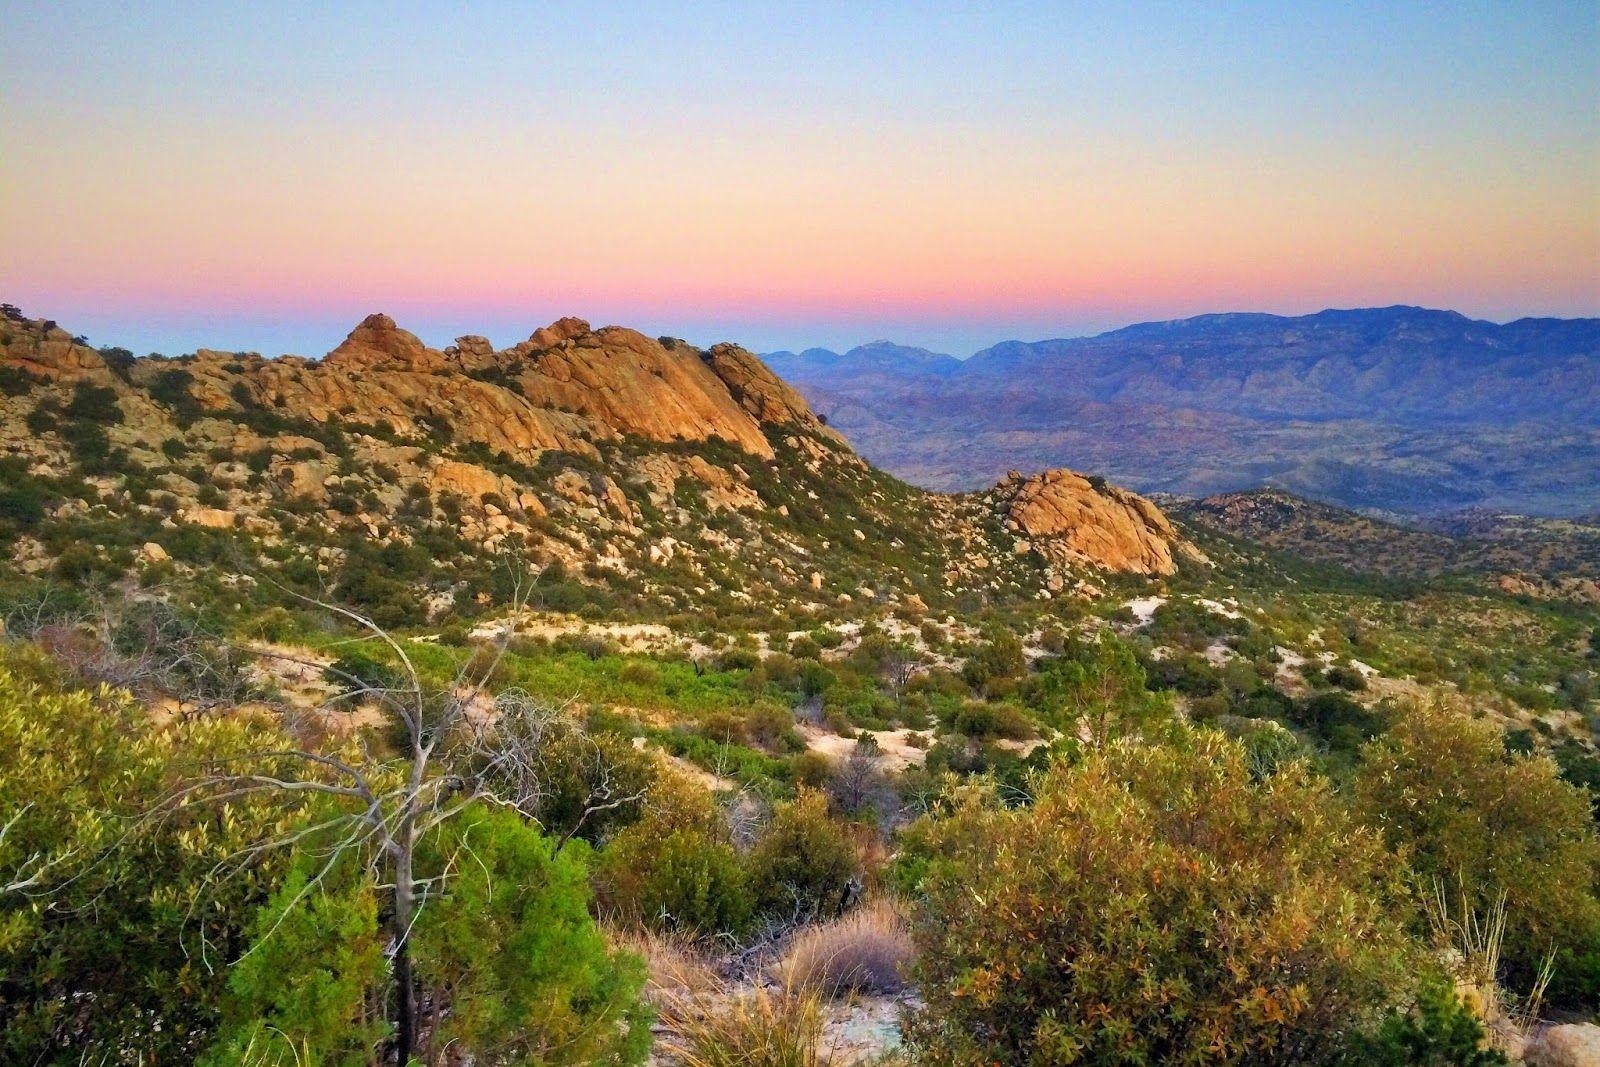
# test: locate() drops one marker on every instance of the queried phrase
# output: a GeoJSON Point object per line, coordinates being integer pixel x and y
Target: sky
{"type": "Point", "coordinates": [260, 177]}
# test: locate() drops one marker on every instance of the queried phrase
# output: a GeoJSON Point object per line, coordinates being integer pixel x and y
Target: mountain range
{"type": "Point", "coordinates": [1398, 409]}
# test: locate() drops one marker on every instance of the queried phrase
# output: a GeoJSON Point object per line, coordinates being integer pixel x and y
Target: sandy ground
{"type": "Point", "coordinates": [1144, 608]}
{"type": "Point", "coordinates": [898, 750]}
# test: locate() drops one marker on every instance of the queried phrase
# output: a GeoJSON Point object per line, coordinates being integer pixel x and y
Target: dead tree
{"type": "Point", "coordinates": [457, 748]}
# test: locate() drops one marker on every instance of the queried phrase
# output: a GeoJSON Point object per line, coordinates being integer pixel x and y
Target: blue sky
{"type": "Point", "coordinates": [261, 176]}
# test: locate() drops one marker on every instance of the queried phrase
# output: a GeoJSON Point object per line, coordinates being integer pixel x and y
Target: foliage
{"type": "Point", "coordinates": [1441, 785]}
{"type": "Point", "coordinates": [305, 989]}
{"type": "Point", "coordinates": [681, 879]}
{"type": "Point", "coordinates": [509, 946]}
{"type": "Point", "coordinates": [124, 912]}
{"type": "Point", "coordinates": [1157, 904]}
{"type": "Point", "coordinates": [804, 863]}
{"type": "Point", "coordinates": [1438, 1031]}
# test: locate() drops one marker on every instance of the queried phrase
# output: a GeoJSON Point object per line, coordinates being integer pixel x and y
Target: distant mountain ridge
{"type": "Point", "coordinates": [1399, 408]}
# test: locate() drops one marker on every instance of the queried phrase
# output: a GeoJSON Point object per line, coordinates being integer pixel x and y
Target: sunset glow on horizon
{"type": "Point", "coordinates": [173, 176]}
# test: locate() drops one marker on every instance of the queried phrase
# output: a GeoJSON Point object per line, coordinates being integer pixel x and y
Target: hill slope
{"type": "Point", "coordinates": [1401, 409]}
{"type": "Point", "coordinates": [647, 475]}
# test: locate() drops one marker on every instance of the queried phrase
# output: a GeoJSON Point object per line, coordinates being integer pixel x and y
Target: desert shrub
{"type": "Point", "coordinates": [862, 951]}
{"type": "Point", "coordinates": [355, 672]}
{"type": "Point", "coordinates": [15, 381]}
{"type": "Point", "coordinates": [1339, 723]}
{"type": "Point", "coordinates": [811, 768]}
{"type": "Point", "coordinates": [22, 505]}
{"type": "Point", "coordinates": [985, 721]}
{"type": "Point", "coordinates": [508, 944]}
{"type": "Point", "coordinates": [93, 403]}
{"type": "Point", "coordinates": [1346, 677]}
{"type": "Point", "coordinates": [804, 863]}
{"type": "Point", "coordinates": [994, 662]}
{"type": "Point", "coordinates": [639, 673]}
{"type": "Point", "coordinates": [1268, 745]}
{"type": "Point", "coordinates": [738, 659]}
{"type": "Point", "coordinates": [1441, 785]}
{"type": "Point", "coordinates": [1439, 1030]}
{"type": "Point", "coordinates": [1156, 904]}
{"type": "Point", "coordinates": [122, 903]}
{"type": "Point", "coordinates": [772, 728]}
{"type": "Point", "coordinates": [683, 880]}
{"type": "Point", "coordinates": [804, 647]}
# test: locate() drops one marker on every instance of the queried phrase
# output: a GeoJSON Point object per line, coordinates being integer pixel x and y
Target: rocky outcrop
{"type": "Point", "coordinates": [1070, 519]}
{"type": "Point", "coordinates": [565, 387]}
{"type": "Point", "coordinates": [379, 344]}
{"type": "Point", "coordinates": [46, 350]}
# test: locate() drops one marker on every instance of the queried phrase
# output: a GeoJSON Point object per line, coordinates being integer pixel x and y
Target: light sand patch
{"type": "Point", "coordinates": [898, 750]}
{"type": "Point", "coordinates": [1144, 609]}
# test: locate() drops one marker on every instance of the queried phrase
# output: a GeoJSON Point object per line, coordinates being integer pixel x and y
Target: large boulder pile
{"type": "Point", "coordinates": [1073, 520]}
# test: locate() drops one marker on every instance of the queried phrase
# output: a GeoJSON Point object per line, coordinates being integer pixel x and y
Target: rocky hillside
{"type": "Point", "coordinates": [1546, 558]}
{"type": "Point", "coordinates": [642, 472]}
{"type": "Point", "coordinates": [1402, 409]}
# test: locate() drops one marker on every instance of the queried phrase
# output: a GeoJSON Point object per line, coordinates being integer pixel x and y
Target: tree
{"type": "Point", "coordinates": [453, 756]}
{"type": "Point", "coordinates": [1097, 690]}
{"type": "Point", "coordinates": [509, 964]}
{"type": "Point", "coordinates": [857, 784]}
{"type": "Point", "coordinates": [1156, 905]}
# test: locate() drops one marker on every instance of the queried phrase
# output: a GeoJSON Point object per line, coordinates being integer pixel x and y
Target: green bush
{"type": "Point", "coordinates": [682, 879]}
{"type": "Point", "coordinates": [125, 903]}
{"type": "Point", "coordinates": [93, 403]}
{"type": "Point", "coordinates": [1442, 786]}
{"type": "Point", "coordinates": [1156, 905]}
{"type": "Point", "coordinates": [804, 864]}
{"type": "Point", "coordinates": [1438, 1031]}
{"type": "Point", "coordinates": [509, 945]}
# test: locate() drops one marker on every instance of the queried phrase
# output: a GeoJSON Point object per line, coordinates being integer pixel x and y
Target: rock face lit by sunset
{"type": "Point", "coordinates": [790, 179]}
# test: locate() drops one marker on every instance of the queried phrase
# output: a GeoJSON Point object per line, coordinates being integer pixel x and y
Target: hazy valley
{"type": "Point", "coordinates": [1396, 409]}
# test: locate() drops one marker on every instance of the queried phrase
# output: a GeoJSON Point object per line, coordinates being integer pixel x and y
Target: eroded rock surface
{"type": "Point", "coordinates": [1070, 519]}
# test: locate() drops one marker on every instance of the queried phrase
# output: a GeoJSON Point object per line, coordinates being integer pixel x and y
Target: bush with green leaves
{"type": "Point", "coordinates": [1156, 904]}
{"type": "Point", "coordinates": [511, 966]}
{"type": "Point", "coordinates": [1439, 1030]}
{"type": "Point", "coordinates": [508, 946]}
{"type": "Point", "coordinates": [115, 901]}
{"type": "Point", "coordinates": [684, 879]}
{"type": "Point", "coordinates": [308, 988]}
{"type": "Point", "coordinates": [676, 869]}
{"type": "Point", "coordinates": [804, 863]}
{"type": "Point", "coordinates": [1478, 819]}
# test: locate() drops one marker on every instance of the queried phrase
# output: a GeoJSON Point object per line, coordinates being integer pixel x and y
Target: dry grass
{"type": "Point", "coordinates": [865, 951]}
{"type": "Point", "coordinates": [759, 1028]}
{"type": "Point", "coordinates": [712, 1022]}
{"type": "Point", "coordinates": [677, 968]}
{"type": "Point", "coordinates": [1473, 945]}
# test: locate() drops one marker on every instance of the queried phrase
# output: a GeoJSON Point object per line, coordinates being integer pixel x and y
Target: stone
{"type": "Point", "coordinates": [151, 552]}
{"type": "Point", "coordinates": [216, 518]}
{"type": "Point", "coordinates": [1071, 520]}
{"type": "Point", "coordinates": [1568, 1045]}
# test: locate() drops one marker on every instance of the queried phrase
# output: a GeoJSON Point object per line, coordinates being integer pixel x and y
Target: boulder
{"type": "Point", "coordinates": [1071, 520]}
{"type": "Point", "coordinates": [1569, 1045]}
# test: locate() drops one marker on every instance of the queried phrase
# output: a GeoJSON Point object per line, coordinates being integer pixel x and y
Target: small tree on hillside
{"type": "Point", "coordinates": [458, 751]}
